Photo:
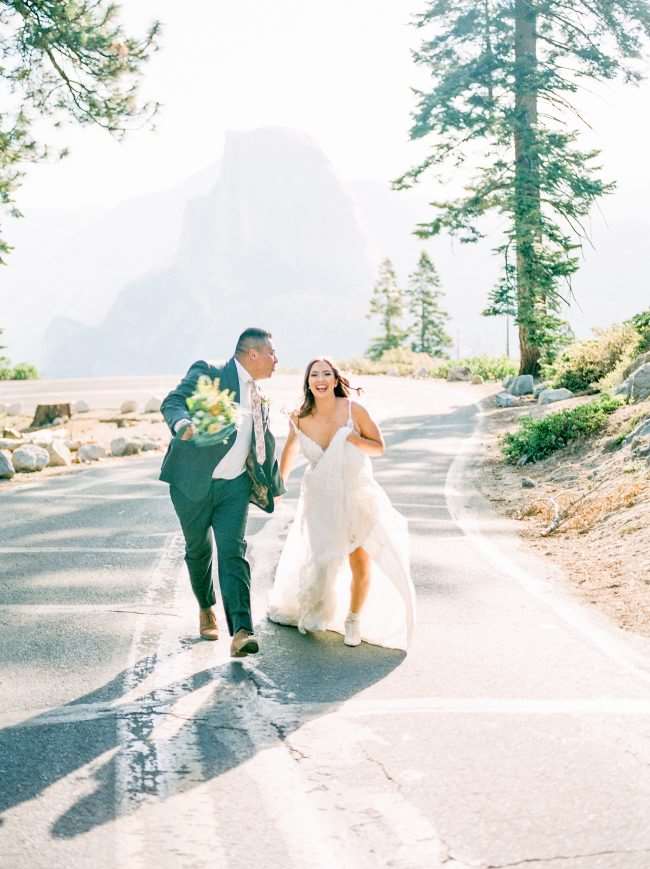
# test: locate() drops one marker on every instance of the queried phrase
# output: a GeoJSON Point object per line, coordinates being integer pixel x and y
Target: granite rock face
{"type": "Point", "coordinates": [275, 241]}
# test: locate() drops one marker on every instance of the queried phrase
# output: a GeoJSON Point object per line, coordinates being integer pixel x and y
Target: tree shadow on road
{"type": "Point", "coordinates": [253, 705]}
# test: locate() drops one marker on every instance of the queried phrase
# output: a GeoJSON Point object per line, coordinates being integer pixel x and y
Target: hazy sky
{"type": "Point", "coordinates": [340, 72]}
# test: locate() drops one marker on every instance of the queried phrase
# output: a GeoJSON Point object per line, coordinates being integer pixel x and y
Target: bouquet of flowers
{"type": "Point", "coordinates": [213, 412]}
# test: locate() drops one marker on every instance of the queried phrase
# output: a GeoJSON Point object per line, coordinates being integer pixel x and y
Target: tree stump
{"type": "Point", "coordinates": [45, 414]}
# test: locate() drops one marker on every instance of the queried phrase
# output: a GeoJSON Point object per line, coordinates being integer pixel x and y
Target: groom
{"type": "Point", "coordinates": [211, 486]}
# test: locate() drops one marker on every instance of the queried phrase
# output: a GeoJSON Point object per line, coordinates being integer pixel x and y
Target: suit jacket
{"type": "Point", "coordinates": [190, 467]}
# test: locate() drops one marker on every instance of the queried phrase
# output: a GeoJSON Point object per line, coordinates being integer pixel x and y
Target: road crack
{"type": "Point", "coordinates": [567, 857]}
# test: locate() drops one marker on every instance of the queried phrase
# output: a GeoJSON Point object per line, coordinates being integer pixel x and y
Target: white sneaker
{"type": "Point", "coordinates": [352, 630]}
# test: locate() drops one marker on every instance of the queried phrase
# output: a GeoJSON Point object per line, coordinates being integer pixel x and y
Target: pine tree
{"type": "Point", "coordinates": [428, 318]}
{"type": "Point", "coordinates": [503, 75]}
{"type": "Point", "coordinates": [4, 360]}
{"type": "Point", "coordinates": [387, 303]}
{"type": "Point", "coordinates": [67, 61]}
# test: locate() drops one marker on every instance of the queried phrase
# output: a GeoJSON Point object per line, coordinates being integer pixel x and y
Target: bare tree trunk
{"type": "Point", "coordinates": [527, 212]}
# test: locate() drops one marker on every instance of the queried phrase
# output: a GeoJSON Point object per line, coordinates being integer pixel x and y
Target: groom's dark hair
{"type": "Point", "coordinates": [251, 338]}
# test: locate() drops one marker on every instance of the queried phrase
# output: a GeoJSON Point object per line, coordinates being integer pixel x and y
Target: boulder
{"type": "Point", "coordinates": [507, 381]}
{"type": "Point", "coordinates": [148, 444]}
{"type": "Point", "coordinates": [14, 409]}
{"type": "Point", "coordinates": [10, 444]}
{"type": "Point", "coordinates": [640, 383]}
{"type": "Point", "coordinates": [642, 429]}
{"type": "Point", "coordinates": [505, 399]}
{"type": "Point", "coordinates": [477, 380]}
{"type": "Point", "coordinates": [540, 387]}
{"type": "Point", "coordinates": [128, 407]}
{"type": "Point", "coordinates": [6, 465]}
{"type": "Point", "coordinates": [636, 363]}
{"type": "Point", "coordinates": [125, 446]}
{"type": "Point", "coordinates": [527, 483]}
{"type": "Point", "coordinates": [59, 454]}
{"type": "Point", "coordinates": [30, 458]}
{"type": "Point", "coordinates": [42, 438]}
{"type": "Point", "coordinates": [548, 396]}
{"type": "Point", "coordinates": [153, 405]}
{"type": "Point", "coordinates": [461, 372]}
{"type": "Point", "coordinates": [641, 448]}
{"type": "Point", "coordinates": [623, 389]}
{"type": "Point", "coordinates": [522, 385]}
{"type": "Point", "coordinates": [80, 407]}
{"type": "Point", "coordinates": [422, 372]}
{"type": "Point", "coordinates": [90, 453]}
{"type": "Point", "coordinates": [12, 433]}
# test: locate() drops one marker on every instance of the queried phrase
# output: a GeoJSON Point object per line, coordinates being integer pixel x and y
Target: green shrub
{"type": "Point", "coordinates": [6, 373]}
{"type": "Point", "coordinates": [538, 438]}
{"type": "Point", "coordinates": [641, 323]}
{"type": "Point", "coordinates": [405, 362]}
{"type": "Point", "coordinates": [488, 367]}
{"type": "Point", "coordinates": [24, 371]}
{"type": "Point", "coordinates": [584, 364]}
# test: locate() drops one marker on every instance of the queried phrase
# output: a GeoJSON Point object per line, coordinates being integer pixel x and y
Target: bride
{"type": "Point", "coordinates": [345, 564]}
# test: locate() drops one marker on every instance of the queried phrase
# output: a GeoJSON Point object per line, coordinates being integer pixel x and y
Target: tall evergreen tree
{"type": "Point", "coordinates": [387, 303]}
{"type": "Point", "coordinates": [3, 359]}
{"type": "Point", "coordinates": [503, 75]}
{"type": "Point", "coordinates": [67, 61]}
{"type": "Point", "coordinates": [428, 318]}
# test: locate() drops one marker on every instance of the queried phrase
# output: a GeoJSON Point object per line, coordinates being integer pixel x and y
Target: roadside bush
{"type": "Point", "coordinates": [401, 360]}
{"type": "Point", "coordinates": [641, 323]}
{"type": "Point", "coordinates": [488, 367]}
{"type": "Point", "coordinates": [586, 363]}
{"type": "Point", "coordinates": [407, 363]}
{"type": "Point", "coordinates": [25, 371]}
{"type": "Point", "coordinates": [538, 438]}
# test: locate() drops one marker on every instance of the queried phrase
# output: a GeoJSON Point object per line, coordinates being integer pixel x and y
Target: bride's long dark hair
{"type": "Point", "coordinates": [342, 386]}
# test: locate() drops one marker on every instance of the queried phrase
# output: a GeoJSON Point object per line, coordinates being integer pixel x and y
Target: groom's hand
{"type": "Point", "coordinates": [185, 432]}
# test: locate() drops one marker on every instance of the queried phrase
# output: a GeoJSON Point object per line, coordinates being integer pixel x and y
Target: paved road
{"type": "Point", "coordinates": [515, 733]}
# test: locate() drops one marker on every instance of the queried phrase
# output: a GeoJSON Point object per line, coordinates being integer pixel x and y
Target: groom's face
{"type": "Point", "coordinates": [262, 360]}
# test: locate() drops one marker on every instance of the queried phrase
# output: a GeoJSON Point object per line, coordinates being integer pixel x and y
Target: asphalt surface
{"type": "Point", "coordinates": [516, 732]}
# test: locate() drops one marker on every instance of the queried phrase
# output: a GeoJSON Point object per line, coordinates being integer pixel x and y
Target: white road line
{"type": "Point", "coordinates": [458, 489]}
{"type": "Point", "coordinates": [512, 706]}
{"type": "Point", "coordinates": [36, 610]}
{"type": "Point", "coordinates": [52, 550]}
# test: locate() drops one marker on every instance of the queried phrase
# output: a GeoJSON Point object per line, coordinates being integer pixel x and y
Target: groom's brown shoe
{"type": "Point", "coordinates": [208, 624]}
{"type": "Point", "coordinates": [243, 643]}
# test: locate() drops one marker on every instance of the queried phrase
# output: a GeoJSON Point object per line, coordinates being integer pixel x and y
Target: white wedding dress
{"type": "Point", "coordinates": [342, 507]}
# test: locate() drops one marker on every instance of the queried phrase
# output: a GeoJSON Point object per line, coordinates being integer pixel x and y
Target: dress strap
{"type": "Point", "coordinates": [293, 422]}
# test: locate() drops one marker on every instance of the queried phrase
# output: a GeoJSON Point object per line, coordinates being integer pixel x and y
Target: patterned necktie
{"type": "Point", "coordinates": [256, 407]}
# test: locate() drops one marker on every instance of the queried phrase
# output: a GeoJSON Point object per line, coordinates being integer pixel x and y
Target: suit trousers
{"type": "Point", "coordinates": [223, 513]}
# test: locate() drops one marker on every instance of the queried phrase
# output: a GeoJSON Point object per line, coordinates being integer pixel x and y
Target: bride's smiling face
{"type": "Point", "coordinates": [321, 379]}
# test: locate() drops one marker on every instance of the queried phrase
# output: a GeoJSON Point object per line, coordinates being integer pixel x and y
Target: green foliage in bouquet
{"type": "Point", "coordinates": [538, 438]}
{"type": "Point", "coordinates": [213, 412]}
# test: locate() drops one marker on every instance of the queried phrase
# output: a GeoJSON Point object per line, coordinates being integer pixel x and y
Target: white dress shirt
{"type": "Point", "coordinates": [234, 462]}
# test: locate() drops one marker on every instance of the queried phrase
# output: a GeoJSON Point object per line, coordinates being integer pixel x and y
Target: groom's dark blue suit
{"type": "Point", "coordinates": [203, 503]}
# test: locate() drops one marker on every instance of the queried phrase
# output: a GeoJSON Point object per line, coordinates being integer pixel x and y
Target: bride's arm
{"type": "Point", "coordinates": [368, 438]}
{"type": "Point", "coordinates": [289, 452]}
